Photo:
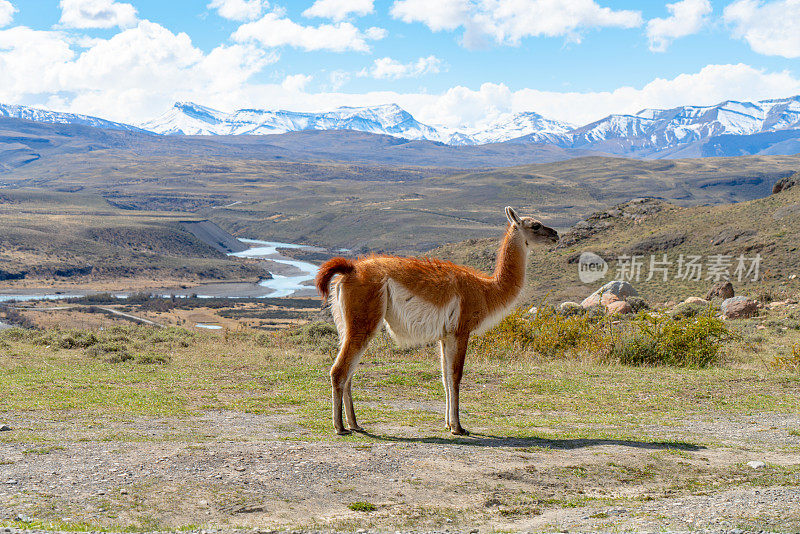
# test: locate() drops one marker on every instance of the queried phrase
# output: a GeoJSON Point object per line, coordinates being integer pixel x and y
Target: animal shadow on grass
{"type": "Point", "coordinates": [488, 440]}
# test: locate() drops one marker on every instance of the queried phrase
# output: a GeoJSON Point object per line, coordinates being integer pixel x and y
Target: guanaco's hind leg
{"type": "Point", "coordinates": [362, 310]}
{"type": "Point", "coordinates": [454, 350]}
{"type": "Point", "coordinates": [446, 366]}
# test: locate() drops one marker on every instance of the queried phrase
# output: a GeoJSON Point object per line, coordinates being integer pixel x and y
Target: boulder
{"type": "Point", "coordinates": [609, 298]}
{"type": "Point", "coordinates": [784, 184]}
{"type": "Point", "coordinates": [721, 290]}
{"type": "Point", "coordinates": [729, 235]}
{"type": "Point", "coordinates": [739, 308]}
{"type": "Point", "coordinates": [618, 307]}
{"type": "Point", "coordinates": [657, 243]}
{"type": "Point", "coordinates": [620, 288]}
{"type": "Point", "coordinates": [696, 300]}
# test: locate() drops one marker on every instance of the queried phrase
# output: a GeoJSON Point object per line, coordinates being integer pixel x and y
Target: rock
{"type": "Point", "coordinates": [784, 184]}
{"type": "Point", "coordinates": [534, 310]}
{"type": "Point", "coordinates": [608, 298]}
{"type": "Point", "coordinates": [739, 308]}
{"type": "Point", "coordinates": [756, 464]}
{"type": "Point", "coordinates": [696, 300]}
{"type": "Point", "coordinates": [791, 210]}
{"type": "Point", "coordinates": [569, 308]}
{"type": "Point", "coordinates": [722, 289]}
{"type": "Point", "coordinates": [620, 288]}
{"type": "Point", "coordinates": [729, 235]}
{"type": "Point", "coordinates": [618, 307]}
{"type": "Point", "coordinates": [3, 428]}
{"type": "Point", "coordinates": [657, 243]}
{"type": "Point", "coordinates": [634, 210]}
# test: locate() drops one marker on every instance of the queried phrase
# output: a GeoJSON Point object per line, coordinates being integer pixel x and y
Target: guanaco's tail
{"type": "Point", "coordinates": [327, 271]}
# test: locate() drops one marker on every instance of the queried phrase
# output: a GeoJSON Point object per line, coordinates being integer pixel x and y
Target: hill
{"type": "Point", "coordinates": [83, 239]}
{"type": "Point", "coordinates": [649, 227]}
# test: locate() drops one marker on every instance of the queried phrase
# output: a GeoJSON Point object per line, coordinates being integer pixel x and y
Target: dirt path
{"type": "Point", "coordinates": [231, 469]}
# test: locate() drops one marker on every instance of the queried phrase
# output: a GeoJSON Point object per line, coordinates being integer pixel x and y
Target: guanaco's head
{"type": "Point", "coordinates": [531, 230]}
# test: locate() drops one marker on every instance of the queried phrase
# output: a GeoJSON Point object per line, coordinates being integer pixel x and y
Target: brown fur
{"type": "Point", "coordinates": [328, 270]}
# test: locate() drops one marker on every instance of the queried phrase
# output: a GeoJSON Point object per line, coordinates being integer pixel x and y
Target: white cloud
{"type": "Point", "coordinates": [387, 68]}
{"type": "Point", "coordinates": [296, 82]}
{"type": "Point", "coordinates": [686, 18]}
{"type": "Point", "coordinates": [711, 85]}
{"type": "Point", "coordinates": [135, 74]}
{"type": "Point", "coordinates": [770, 28]}
{"type": "Point", "coordinates": [30, 62]}
{"type": "Point", "coordinates": [442, 15]}
{"type": "Point", "coordinates": [339, 9]}
{"type": "Point", "coordinates": [96, 14]}
{"type": "Point", "coordinates": [338, 78]}
{"type": "Point", "coordinates": [7, 11]}
{"type": "Point", "coordinates": [507, 22]}
{"type": "Point", "coordinates": [239, 9]}
{"type": "Point", "coordinates": [274, 30]}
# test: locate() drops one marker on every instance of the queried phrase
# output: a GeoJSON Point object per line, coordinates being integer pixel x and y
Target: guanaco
{"type": "Point", "coordinates": [422, 300]}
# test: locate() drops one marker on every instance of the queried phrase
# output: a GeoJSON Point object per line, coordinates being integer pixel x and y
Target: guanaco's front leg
{"type": "Point", "coordinates": [455, 353]}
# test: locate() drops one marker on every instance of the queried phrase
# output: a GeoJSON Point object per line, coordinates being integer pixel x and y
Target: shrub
{"type": "Point", "coordinates": [318, 335]}
{"type": "Point", "coordinates": [152, 357]}
{"type": "Point", "coordinates": [361, 506]}
{"type": "Point", "coordinates": [264, 339]}
{"type": "Point", "coordinates": [545, 332]}
{"type": "Point", "coordinates": [688, 309]}
{"type": "Point", "coordinates": [637, 304]}
{"type": "Point", "coordinates": [790, 362]}
{"type": "Point", "coordinates": [110, 351]}
{"type": "Point", "coordinates": [678, 341]}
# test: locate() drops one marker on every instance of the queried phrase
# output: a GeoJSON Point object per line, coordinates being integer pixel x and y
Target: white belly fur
{"type": "Point", "coordinates": [412, 320]}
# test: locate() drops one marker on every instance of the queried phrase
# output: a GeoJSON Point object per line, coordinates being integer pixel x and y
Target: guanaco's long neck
{"type": "Point", "coordinates": [509, 274]}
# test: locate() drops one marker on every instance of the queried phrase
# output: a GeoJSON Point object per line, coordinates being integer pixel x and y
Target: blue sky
{"type": "Point", "coordinates": [452, 62]}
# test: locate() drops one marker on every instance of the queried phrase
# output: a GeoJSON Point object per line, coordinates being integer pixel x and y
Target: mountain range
{"type": "Point", "coordinates": [730, 128]}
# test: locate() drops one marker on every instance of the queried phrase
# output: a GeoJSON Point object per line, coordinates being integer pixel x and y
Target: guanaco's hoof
{"type": "Point", "coordinates": [343, 432]}
{"type": "Point", "coordinates": [356, 429]}
{"type": "Point", "coordinates": [459, 432]}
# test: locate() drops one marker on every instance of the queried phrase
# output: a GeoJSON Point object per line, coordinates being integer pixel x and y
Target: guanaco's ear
{"type": "Point", "coordinates": [512, 216]}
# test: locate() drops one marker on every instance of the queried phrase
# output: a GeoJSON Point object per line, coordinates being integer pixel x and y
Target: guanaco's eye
{"type": "Point", "coordinates": [536, 225]}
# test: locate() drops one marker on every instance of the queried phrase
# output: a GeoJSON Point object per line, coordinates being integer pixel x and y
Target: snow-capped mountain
{"type": "Point", "coordinates": [528, 126]}
{"type": "Point", "coordinates": [44, 115]}
{"type": "Point", "coordinates": [726, 129]}
{"type": "Point", "coordinates": [661, 129]}
{"type": "Point", "coordinates": [188, 118]}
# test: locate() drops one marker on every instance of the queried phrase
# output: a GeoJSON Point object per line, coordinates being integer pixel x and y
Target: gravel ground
{"type": "Point", "coordinates": [238, 472]}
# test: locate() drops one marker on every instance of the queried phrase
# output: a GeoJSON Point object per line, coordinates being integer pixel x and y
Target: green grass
{"type": "Point", "coordinates": [569, 393]}
{"type": "Point", "coordinates": [362, 506]}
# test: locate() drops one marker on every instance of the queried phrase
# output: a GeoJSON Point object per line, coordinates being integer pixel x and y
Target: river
{"type": "Point", "coordinates": [281, 285]}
